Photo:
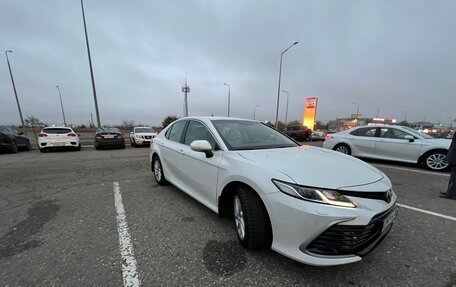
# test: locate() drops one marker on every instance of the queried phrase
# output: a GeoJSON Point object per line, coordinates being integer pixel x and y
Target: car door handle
{"type": "Point", "coordinates": [181, 151]}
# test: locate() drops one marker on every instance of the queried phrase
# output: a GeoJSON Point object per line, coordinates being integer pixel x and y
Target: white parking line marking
{"type": "Point", "coordinates": [410, 169]}
{"type": "Point", "coordinates": [427, 212]}
{"type": "Point", "coordinates": [129, 270]}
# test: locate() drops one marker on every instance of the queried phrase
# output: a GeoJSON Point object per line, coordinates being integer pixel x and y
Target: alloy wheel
{"type": "Point", "coordinates": [239, 217]}
{"type": "Point", "coordinates": [157, 170]}
{"type": "Point", "coordinates": [343, 149]}
{"type": "Point", "coordinates": [436, 161]}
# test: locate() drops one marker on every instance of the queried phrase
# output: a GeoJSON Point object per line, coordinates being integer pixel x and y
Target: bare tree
{"type": "Point", "coordinates": [169, 119]}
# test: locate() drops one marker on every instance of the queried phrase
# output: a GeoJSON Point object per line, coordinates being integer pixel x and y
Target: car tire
{"type": "Point", "coordinates": [97, 147]}
{"type": "Point", "coordinates": [14, 148]}
{"type": "Point", "coordinates": [28, 146]}
{"type": "Point", "coordinates": [157, 170]}
{"type": "Point", "coordinates": [251, 221]}
{"type": "Point", "coordinates": [132, 142]}
{"type": "Point", "coordinates": [42, 150]}
{"type": "Point", "coordinates": [78, 148]}
{"type": "Point", "coordinates": [343, 148]}
{"type": "Point", "coordinates": [122, 146]}
{"type": "Point", "coordinates": [435, 161]}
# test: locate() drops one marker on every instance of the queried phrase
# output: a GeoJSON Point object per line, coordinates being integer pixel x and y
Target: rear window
{"type": "Point", "coordinates": [108, 131]}
{"type": "Point", "coordinates": [57, 131]}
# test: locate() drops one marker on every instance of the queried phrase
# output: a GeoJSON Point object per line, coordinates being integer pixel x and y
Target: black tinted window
{"type": "Point", "coordinates": [108, 131]}
{"type": "Point", "coordinates": [364, 132]}
{"type": "Point", "coordinates": [175, 134]}
{"type": "Point", "coordinates": [197, 131]}
{"type": "Point", "coordinates": [56, 131]}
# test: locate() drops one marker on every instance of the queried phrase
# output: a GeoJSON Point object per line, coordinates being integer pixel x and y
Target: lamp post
{"type": "Point", "coordinates": [278, 89]}
{"type": "Point", "coordinates": [61, 105]}
{"type": "Point", "coordinates": [286, 111]}
{"type": "Point", "coordinates": [357, 111]}
{"type": "Point", "coordinates": [229, 95]}
{"type": "Point", "coordinates": [254, 107]}
{"type": "Point", "coordinates": [14, 86]}
{"type": "Point", "coordinates": [91, 70]}
{"type": "Point", "coordinates": [405, 115]}
{"type": "Point", "coordinates": [378, 111]}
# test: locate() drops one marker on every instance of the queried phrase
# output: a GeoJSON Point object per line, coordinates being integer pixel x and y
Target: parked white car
{"type": "Point", "coordinates": [142, 136]}
{"type": "Point", "coordinates": [395, 143]}
{"type": "Point", "coordinates": [313, 205]}
{"type": "Point", "coordinates": [57, 138]}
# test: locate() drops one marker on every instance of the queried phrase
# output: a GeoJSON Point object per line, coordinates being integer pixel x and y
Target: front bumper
{"type": "Point", "coordinates": [143, 141]}
{"type": "Point", "coordinates": [300, 229]}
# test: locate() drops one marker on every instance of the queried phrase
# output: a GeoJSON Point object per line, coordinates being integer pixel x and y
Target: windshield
{"type": "Point", "coordinates": [247, 135]}
{"type": "Point", "coordinates": [418, 133]}
{"type": "Point", "coordinates": [144, 130]}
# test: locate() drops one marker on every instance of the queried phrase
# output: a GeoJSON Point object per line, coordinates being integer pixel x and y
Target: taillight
{"type": "Point", "coordinates": [41, 135]}
{"type": "Point", "coordinates": [329, 137]}
{"type": "Point", "coordinates": [98, 136]}
{"type": "Point", "coordinates": [120, 135]}
{"type": "Point", "coordinates": [71, 135]}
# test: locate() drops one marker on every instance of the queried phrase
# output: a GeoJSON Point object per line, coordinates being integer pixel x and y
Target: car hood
{"type": "Point", "coordinates": [318, 167]}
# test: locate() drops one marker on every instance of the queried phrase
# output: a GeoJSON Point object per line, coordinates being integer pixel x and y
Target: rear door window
{"type": "Point", "coordinates": [176, 131]}
{"type": "Point", "coordinates": [56, 131]}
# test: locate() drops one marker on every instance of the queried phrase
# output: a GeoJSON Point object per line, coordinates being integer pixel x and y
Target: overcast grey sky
{"type": "Point", "coordinates": [394, 55]}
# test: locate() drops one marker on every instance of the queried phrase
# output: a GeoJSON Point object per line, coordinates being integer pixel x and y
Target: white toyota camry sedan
{"type": "Point", "coordinates": [395, 143]}
{"type": "Point", "coordinates": [314, 205]}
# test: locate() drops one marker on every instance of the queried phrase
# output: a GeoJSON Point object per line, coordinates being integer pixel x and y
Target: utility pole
{"type": "Point", "coordinates": [61, 105]}
{"type": "Point", "coordinates": [229, 95]}
{"type": "Point", "coordinates": [91, 70]}
{"type": "Point", "coordinates": [91, 119]}
{"type": "Point", "coordinates": [254, 108]}
{"type": "Point", "coordinates": [185, 90]}
{"type": "Point", "coordinates": [286, 111]}
{"type": "Point", "coordinates": [14, 86]}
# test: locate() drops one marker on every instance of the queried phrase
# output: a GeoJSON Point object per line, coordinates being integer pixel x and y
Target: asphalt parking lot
{"type": "Point", "coordinates": [60, 215]}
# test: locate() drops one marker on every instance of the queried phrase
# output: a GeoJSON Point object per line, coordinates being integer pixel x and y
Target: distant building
{"type": "Point", "coordinates": [421, 125]}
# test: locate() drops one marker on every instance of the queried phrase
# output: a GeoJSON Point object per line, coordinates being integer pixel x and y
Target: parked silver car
{"type": "Point", "coordinates": [395, 143]}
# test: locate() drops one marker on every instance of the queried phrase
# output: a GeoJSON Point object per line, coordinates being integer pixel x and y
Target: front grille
{"type": "Point", "coordinates": [350, 239]}
{"type": "Point", "coordinates": [385, 196]}
{"type": "Point", "coordinates": [147, 137]}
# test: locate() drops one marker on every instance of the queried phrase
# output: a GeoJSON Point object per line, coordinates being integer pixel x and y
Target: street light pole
{"type": "Point", "coordinates": [378, 111]}
{"type": "Point", "coordinates": [357, 111]}
{"type": "Point", "coordinates": [254, 107]}
{"type": "Point", "coordinates": [61, 105]}
{"type": "Point", "coordinates": [14, 86]}
{"type": "Point", "coordinates": [278, 89]}
{"type": "Point", "coordinates": [286, 111]}
{"type": "Point", "coordinates": [91, 70]}
{"type": "Point", "coordinates": [229, 96]}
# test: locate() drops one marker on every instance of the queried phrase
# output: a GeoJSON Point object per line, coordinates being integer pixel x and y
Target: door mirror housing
{"type": "Point", "coordinates": [20, 133]}
{"type": "Point", "coordinates": [202, 146]}
{"type": "Point", "coordinates": [409, 138]}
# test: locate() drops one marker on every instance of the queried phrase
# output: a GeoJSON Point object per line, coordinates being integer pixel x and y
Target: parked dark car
{"type": "Point", "coordinates": [298, 132]}
{"type": "Point", "coordinates": [109, 137]}
{"type": "Point", "coordinates": [12, 140]}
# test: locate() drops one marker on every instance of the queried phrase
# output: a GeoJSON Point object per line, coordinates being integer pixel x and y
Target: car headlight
{"type": "Point", "coordinates": [314, 194]}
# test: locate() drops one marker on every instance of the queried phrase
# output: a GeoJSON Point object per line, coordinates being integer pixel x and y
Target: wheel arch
{"type": "Point", "coordinates": [422, 157]}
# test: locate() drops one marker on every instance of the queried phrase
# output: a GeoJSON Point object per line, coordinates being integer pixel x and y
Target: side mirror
{"type": "Point", "coordinates": [202, 146]}
{"type": "Point", "coordinates": [409, 138]}
{"type": "Point", "coordinates": [20, 133]}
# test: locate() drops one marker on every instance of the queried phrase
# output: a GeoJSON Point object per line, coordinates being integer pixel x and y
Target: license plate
{"type": "Point", "coordinates": [109, 137]}
{"type": "Point", "coordinates": [390, 219]}
{"type": "Point", "coordinates": [59, 143]}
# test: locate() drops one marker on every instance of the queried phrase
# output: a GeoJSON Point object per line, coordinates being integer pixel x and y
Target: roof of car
{"type": "Point", "coordinates": [216, 118]}
{"type": "Point", "coordinates": [57, 127]}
